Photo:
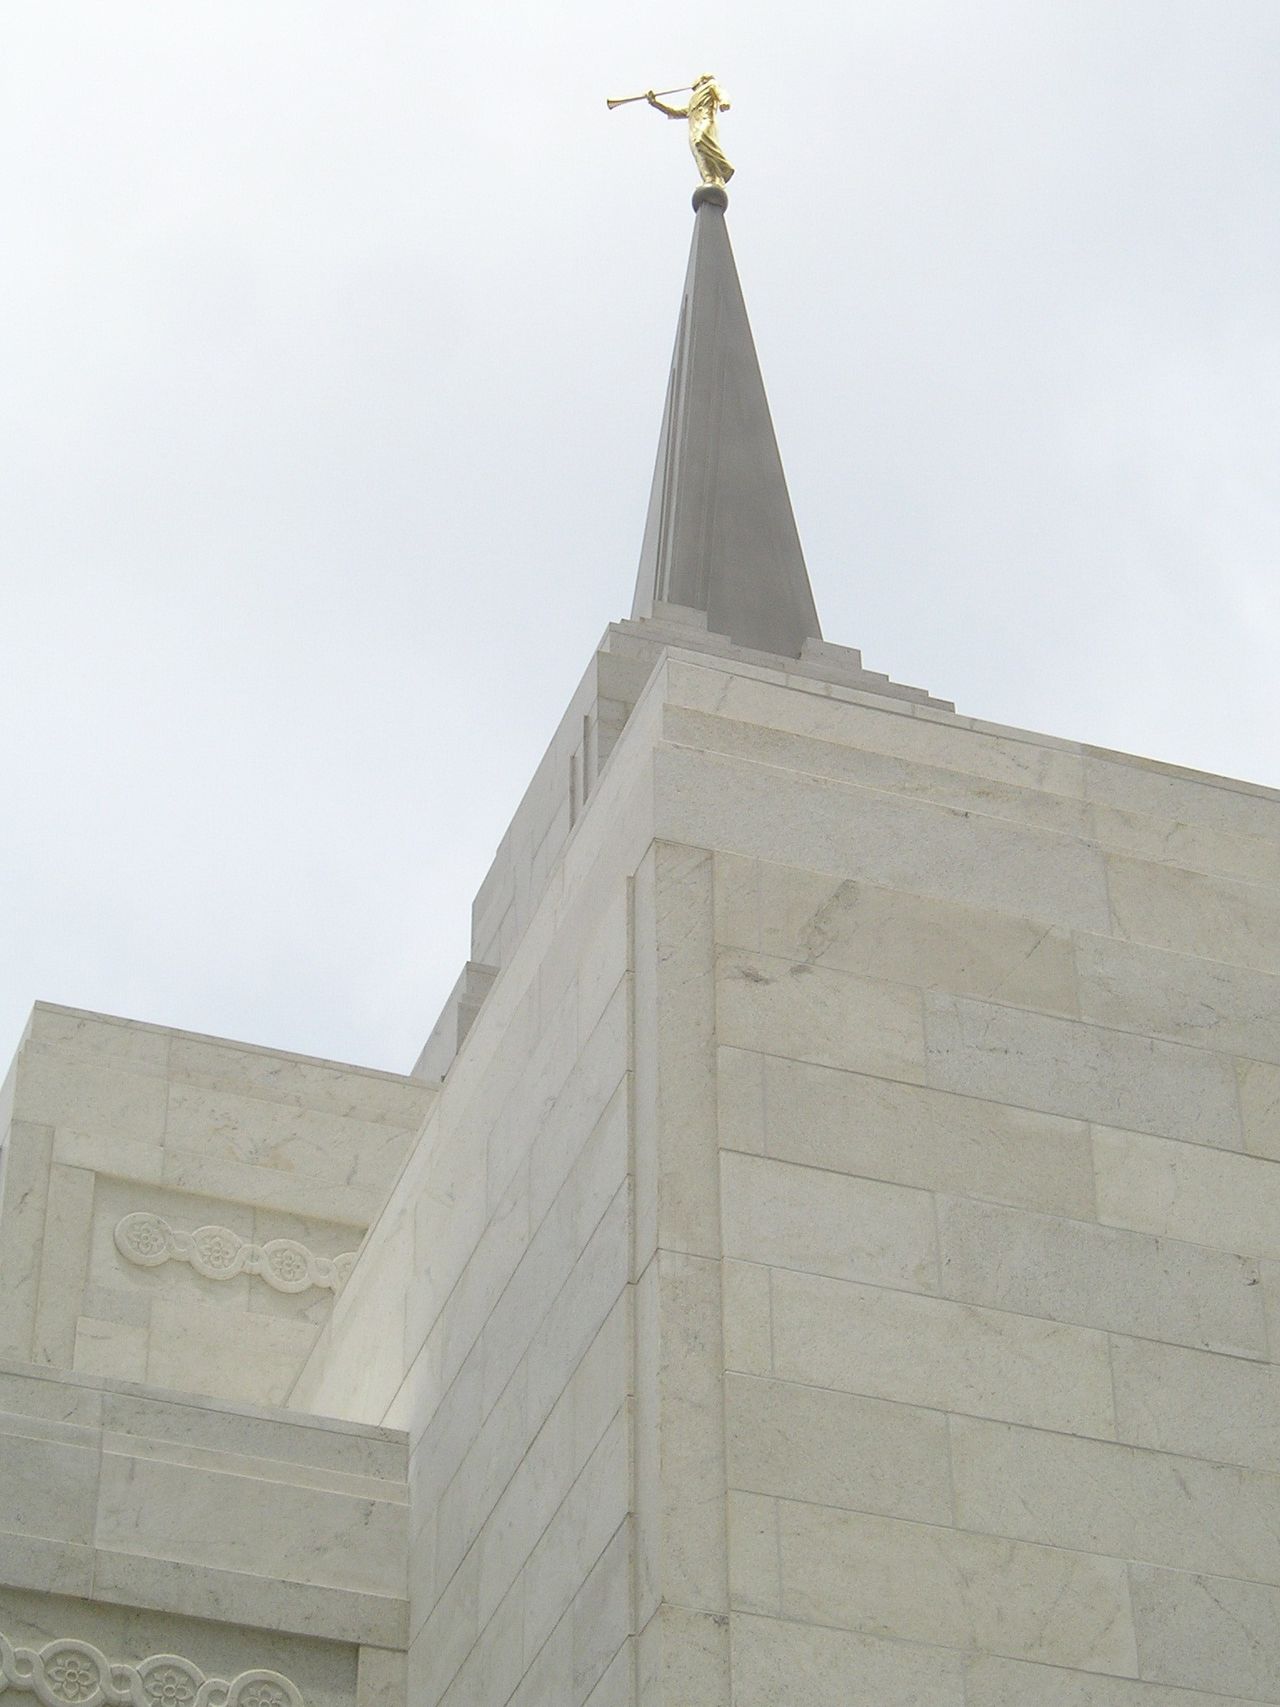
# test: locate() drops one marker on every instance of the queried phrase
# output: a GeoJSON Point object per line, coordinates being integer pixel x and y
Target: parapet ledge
{"type": "Point", "coordinates": [137, 1497]}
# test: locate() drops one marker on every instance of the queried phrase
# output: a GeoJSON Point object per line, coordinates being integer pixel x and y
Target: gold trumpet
{"type": "Point", "coordinates": [625, 100]}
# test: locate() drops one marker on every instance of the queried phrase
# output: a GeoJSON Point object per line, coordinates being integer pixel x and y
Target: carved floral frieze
{"type": "Point", "coordinates": [220, 1254]}
{"type": "Point", "coordinates": [69, 1673]}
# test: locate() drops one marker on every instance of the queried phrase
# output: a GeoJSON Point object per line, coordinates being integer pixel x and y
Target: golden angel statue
{"type": "Point", "coordinates": [706, 100]}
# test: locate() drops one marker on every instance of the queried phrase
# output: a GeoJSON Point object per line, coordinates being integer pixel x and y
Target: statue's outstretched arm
{"type": "Point", "coordinates": [662, 107]}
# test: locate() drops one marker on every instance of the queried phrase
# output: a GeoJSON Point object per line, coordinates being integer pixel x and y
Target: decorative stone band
{"type": "Point", "coordinates": [219, 1254]}
{"type": "Point", "coordinates": [67, 1673]}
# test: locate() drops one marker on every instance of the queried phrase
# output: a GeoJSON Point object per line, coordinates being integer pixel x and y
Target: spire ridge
{"type": "Point", "coordinates": [720, 535]}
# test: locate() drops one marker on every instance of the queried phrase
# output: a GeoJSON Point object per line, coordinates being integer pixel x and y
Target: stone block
{"type": "Point", "coordinates": [29, 1391]}
{"type": "Point", "coordinates": [267, 1528]}
{"type": "Point", "coordinates": [1259, 1086]}
{"type": "Point", "coordinates": [763, 812]}
{"type": "Point", "coordinates": [325, 1147]}
{"type": "Point", "coordinates": [49, 1567]}
{"type": "Point", "coordinates": [1225, 853]}
{"type": "Point", "coordinates": [908, 1134]}
{"type": "Point", "coordinates": [691, 1430]}
{"type": "Point", "coordinates": [811, 1014]}
{"type": "Point", "coordinates": [365, 1366]}
{"type": "Point", "coordinates": [492, 1457]}
{"type": "Point", "coordinates": [588, 1519]}
{"type": "Point", "coordinates": [1116, 779]}
{"type": "Point", "coordinates": [225, 1353]}
{"type": "Point", "coordinates": [1084, 1071]}
{"type": "Point", "coordinates": [24, 1171]}
{"type": "Point", "coordinates": [674, 1052]}
{"type": "Point", "coordinates": [489, 1269]}
{"type": "Point", "coordinates": [868, 768]}
{"type": "Point", "coordinates": [816, 919]}
{"type": "Point", "coordinates": [592, 1288]}
{"type": "Point", "coordinates": [381, 1678]}
{"type": "Point", "coordinates": [269, 1188]}
{"type": "Point", "coordinates": [1209, 1633]}
{"type": "Point", "coordinates": [615, 1688]}
{"type": "Point", "coordinates": [447, 1434]}
{"type": "Point", "coordinates": [575, 1247]}
{"type": "Point", "coordinates": [238, 1597]}
{"type": "Point", "coordinates": [1103, 1277]}
{"type": "Point", "coordinates": [531, 1483]}
{"type": "Point", "coordinates": [361, 1093]}
{"type": "Point", "coordinates": [64, 1260]}
{"type": "Point", "coordinates": [549, 1673]}
{"type": "Point", "coordinates": [1174, 1400]}
{"type": "Point", "coordinates": [1018, 757]}
{"type": "Point", "coordinates": [528, 1504]}
{"type": "Point", "coordinates": [343, 1448]}
{"type": "Point", "coordinates": [1205, 1003]}
{"type": "Point", "coordinates": [443, 1641]}
{"type": "Point", "coordinates": [1185, 1191]}
{"type": "Point", "coordinates": [583, 1100]}
{"type": "Point", "coordinates": [117, 1157]}
{"type": "Point", "coordinates": [883, 1576]}
{"type": "Point", "coordinates": [829, 1448]}
{"type": "Point", "coordinates": [601, 1382]}
{"type": "Point", "coordinates": [828, 1223]}
{"type": "Point", "coordinates": [128, 1045]}
{"type": "Point", "coordinates": [54, 1089]}
{"type": "Point", "coordinates": [534, 1096]}
{"type": "Point", "coordinates": [684, 1656]}
{"type": "Point", "coordinates": [993, 1682]}
{"type": "Point", "coordinates": [1189, 912]}
{"type": "Point", "coordinates": [1097, 1497]}
{"type": "Point", "coordinates": [492, 1668]}
{"type": "Point", "coordinates": [777, 1663]}
{"type": "Point", "coordinates": [112, 1348]}
{"type": "Point", "coordinates": [48, 1480]}
{"type": "Point", "coordinates": [933, 1352]}
{"type": "Point", "coordinates": [601, 1614]}
{"type": "Point", "coordinates": [424, 1582]}
{"type": "Point", "coordinates": [752, 1528]}
{"type": "Point", "coordinates": [748, 1337]}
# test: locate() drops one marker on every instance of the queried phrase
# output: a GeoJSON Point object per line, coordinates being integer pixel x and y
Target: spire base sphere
{"type": "Point", "coordinates": [710, 195]}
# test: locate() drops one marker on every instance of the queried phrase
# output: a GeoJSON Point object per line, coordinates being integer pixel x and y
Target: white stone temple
{"type": "Point", "coordinates": [826, 1255]}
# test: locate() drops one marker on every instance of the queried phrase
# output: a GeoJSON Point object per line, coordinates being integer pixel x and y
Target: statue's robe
{"type": "Point", "coordinates": [704, 104]}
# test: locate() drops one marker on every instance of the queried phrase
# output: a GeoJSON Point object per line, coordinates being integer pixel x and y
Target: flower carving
{"type": "Point", "coordinates": [170, 1686]}
{"type": "Point", "coordinates": [287, 1263]}
{"type": "Point", "coordinates": [263, 1694]}
{"type": "Point", "coordinates": [218, 1253]}
{"type": "Point", "coordinates": [71, 1676]}
{"type": "Point", "coordinates": [217, 1250]}
{"type": "Point", "coordinates": [145, 1239]}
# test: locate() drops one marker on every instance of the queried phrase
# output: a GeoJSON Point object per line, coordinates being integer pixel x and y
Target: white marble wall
{"type": "Point", "coordinates": [490, 1313]}
{"type": "Point", "coordinates": [842, 1263]}
{"type": "Point", "coordinates": [842, 1260]}
{"type": "Point", "coordinates": [111, 1118]}
{"type": "Point", "coordinates": [997, 1025]}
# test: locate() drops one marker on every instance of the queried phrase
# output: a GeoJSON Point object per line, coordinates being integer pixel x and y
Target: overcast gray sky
{"type": "Point", "coordinates": [334, 341]}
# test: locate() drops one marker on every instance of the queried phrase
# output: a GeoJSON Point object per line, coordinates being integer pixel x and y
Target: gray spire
{"type": "Point", "coordinates": [720, 535]}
